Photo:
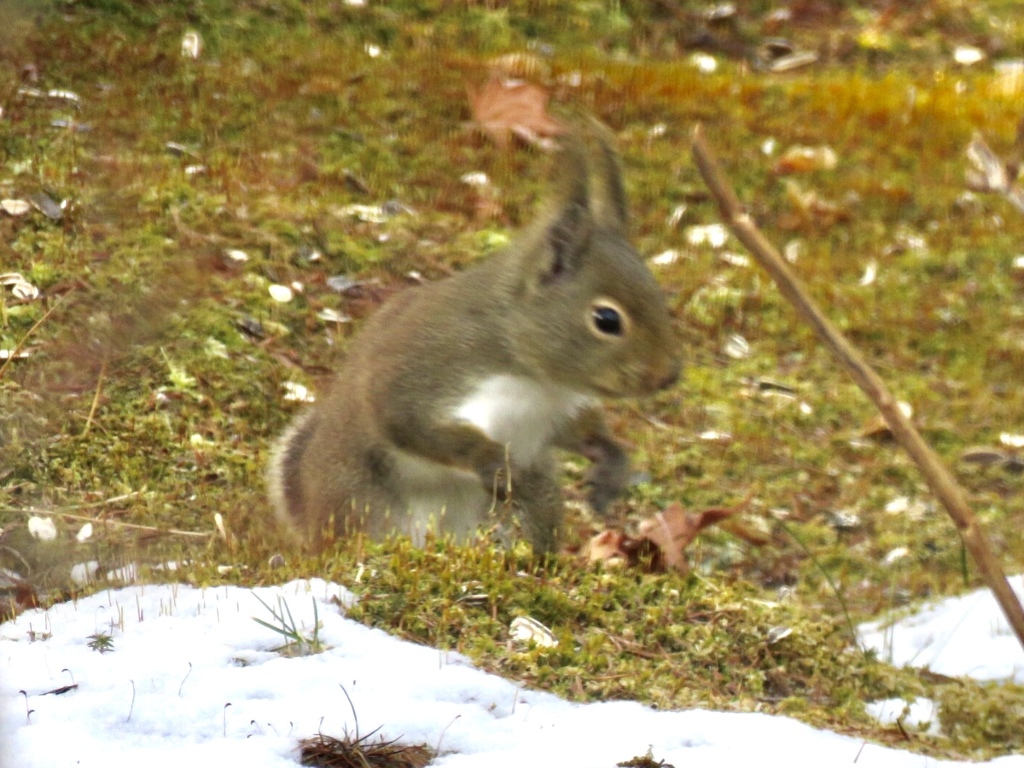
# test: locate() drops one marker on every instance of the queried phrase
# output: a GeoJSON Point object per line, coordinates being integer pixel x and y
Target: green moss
{"type": "Point", "coordinates": [976, 714]}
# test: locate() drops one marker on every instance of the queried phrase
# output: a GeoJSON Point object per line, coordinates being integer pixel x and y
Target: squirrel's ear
{"type": "Point", "coordinates": [588, 195]}
{"type": "Point", "coordinates": [568, 235]}
{"type": "Point", "coordinates": [607, 192]}
{"type": "Point", "coordinates": [570, 221]}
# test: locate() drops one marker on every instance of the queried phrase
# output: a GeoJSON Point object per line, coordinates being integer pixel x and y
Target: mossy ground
{"type": "Point", "coordinates": [152, 391]}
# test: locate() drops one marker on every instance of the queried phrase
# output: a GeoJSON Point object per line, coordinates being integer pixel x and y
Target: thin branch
{"type": "Point", "coordinates": [116, 523]}
{"type": "Point", "coordinates": [104, 502]}
{"type": "Point", "coordinates": [937, 476]}
{"type": "Point", "coordinates": [24, 339]}
{"type": "Point", "coordinates": [86, 505]}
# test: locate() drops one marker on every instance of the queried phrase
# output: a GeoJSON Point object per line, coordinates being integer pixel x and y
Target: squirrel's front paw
{"type": "Point", "coordinates": [605, 482]}
{"type": "Point", "coordinates": [495, 479]}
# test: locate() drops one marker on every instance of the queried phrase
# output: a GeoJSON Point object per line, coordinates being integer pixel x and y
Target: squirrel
{"type": "Point", "coordinates": [454, 394]}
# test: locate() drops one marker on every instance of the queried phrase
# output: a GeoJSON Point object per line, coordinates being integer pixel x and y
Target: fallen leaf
{"type": "Point", "coordinates": [800, 159]}
{"type": "Point", "coordinates": [521, 65]}
{"type": "Point", "coordinates": [991, 174]}
{"type": "Point", "coordinates": [504, 107]}
{"type": "Point", "coordinates": [607, 546]}
{"type": "Point", "coordinates": [663, 537]}
{"type": "Point", "coordinates": [674, 529]}
{"type": "Point", "coordinates": [811, 208]}
{"type": "Point", "coordinates": [878, 427]}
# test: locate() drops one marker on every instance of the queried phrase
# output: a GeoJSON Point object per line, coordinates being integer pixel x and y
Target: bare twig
{"type": "Point", "coordinates": [116, 523]}
{"type": "Point", "coordinates": [103, 502]}
{"type": "Point", "coordinates": [936, 475]}
{"type": "Point", "coordinates": [24, 339]}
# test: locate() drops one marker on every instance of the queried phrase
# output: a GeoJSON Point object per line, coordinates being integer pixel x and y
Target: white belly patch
{"type": "Point", "coordinates": [521, 413]}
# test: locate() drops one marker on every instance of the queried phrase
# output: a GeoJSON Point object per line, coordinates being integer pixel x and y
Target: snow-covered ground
{"type": "Point", "coordinates": [192, 680]}
{"type": "Point", "coordinates": [966, 635]}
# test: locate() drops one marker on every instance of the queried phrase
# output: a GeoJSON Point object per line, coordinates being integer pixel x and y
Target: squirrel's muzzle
{"type": "Point", "coordinates": [666, 375]}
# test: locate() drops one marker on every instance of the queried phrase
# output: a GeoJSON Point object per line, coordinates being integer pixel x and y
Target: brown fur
{"type": "Point", "coordinates": [455, 394]}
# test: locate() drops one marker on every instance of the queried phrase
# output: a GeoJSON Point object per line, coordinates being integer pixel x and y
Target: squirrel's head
{"type": "Point", "coordinates": [589, 313]}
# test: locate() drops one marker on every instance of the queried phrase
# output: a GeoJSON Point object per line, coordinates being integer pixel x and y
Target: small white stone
{"type": "Point", "coordinates": [966, 55]}
{"type": "Point", "coordinates": [15, 207]}
{"type": "Point", "coordinates": [191, 45]}
{"type": "Point", "coordinates": [704, 62]}
{"type": "Point", "coordinates": [714, 235]}
{"type": "Point", "coordinates": [62, 95]}
{"type": "Point", "coordinates": [896, 554]}
{"type": "Point", "coordinates": [42, 528]}
{"type": "Point", "coordinates": [676, 217]}
{"type": "Point", "coordinates": [663, 259]}
{"type": "Point", "coordinates": [736, 347]}
{"type": "Point", "coordinates": [735, 259]}
{"type": "Point", "coordinates": [218, 521]}
{"type": "Point", "coordinates": [281, 293]}
{"type": "Point", "coordinates": [524, 629]}
{"type": "Point", "coordinates": [329, 315]}
{"type": "Point", "coordinates": [898, 506]}
{"type": "Point", "coordinates": [475, 179]}
{"type": "Point", "coordinates": [778, 633]}
{"type": "Point", "coordinates": [298, 393]}
{"type": "Point", "coordinates": [714, 436]}
{"type": "Point", "coordinates": [1011, 440]}
{"type": "Point", "coordinates": [372, 214]}
{"type": "Point", "coordinates": [870, 273]}
{"type": "Point", "coordinates": [84, 573]}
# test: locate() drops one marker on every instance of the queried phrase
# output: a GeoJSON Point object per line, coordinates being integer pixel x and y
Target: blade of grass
{"type": "Point", "coordinates": [831, 583]}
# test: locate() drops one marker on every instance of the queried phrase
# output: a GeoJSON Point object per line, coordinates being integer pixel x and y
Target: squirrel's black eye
{"type": "Point", "coordinates": [607, 320]}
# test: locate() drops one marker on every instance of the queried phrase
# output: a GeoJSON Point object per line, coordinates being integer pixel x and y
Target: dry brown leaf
{"type": "Point", "coordinates": [664, 537]}
{"type": "Point", "coordinates": [504, 108]}
{"type": "Point", "coordinates": [991, 174]}
{"type": "Point", "coordinates": [521, 65]}
{"type": "Point", "coordinates": [878, 428]}
{"type": "Point", "coordinates": [673, 530]}
{"type": "Point", "coordinates": [607, 546]}
{"type": "Point", "coordinates": [808, 207]}
{"type": "Point", "coordinates": [801, 159]}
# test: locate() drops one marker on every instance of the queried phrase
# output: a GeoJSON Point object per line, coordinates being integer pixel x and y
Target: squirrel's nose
{"type": "Point", "coordinates": [666, 375]}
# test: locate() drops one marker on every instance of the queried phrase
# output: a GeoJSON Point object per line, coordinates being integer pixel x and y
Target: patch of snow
{"type": "Point", "coordinates": [192, 679]}
{"type": "Point", "coordinates": [965, 635]}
